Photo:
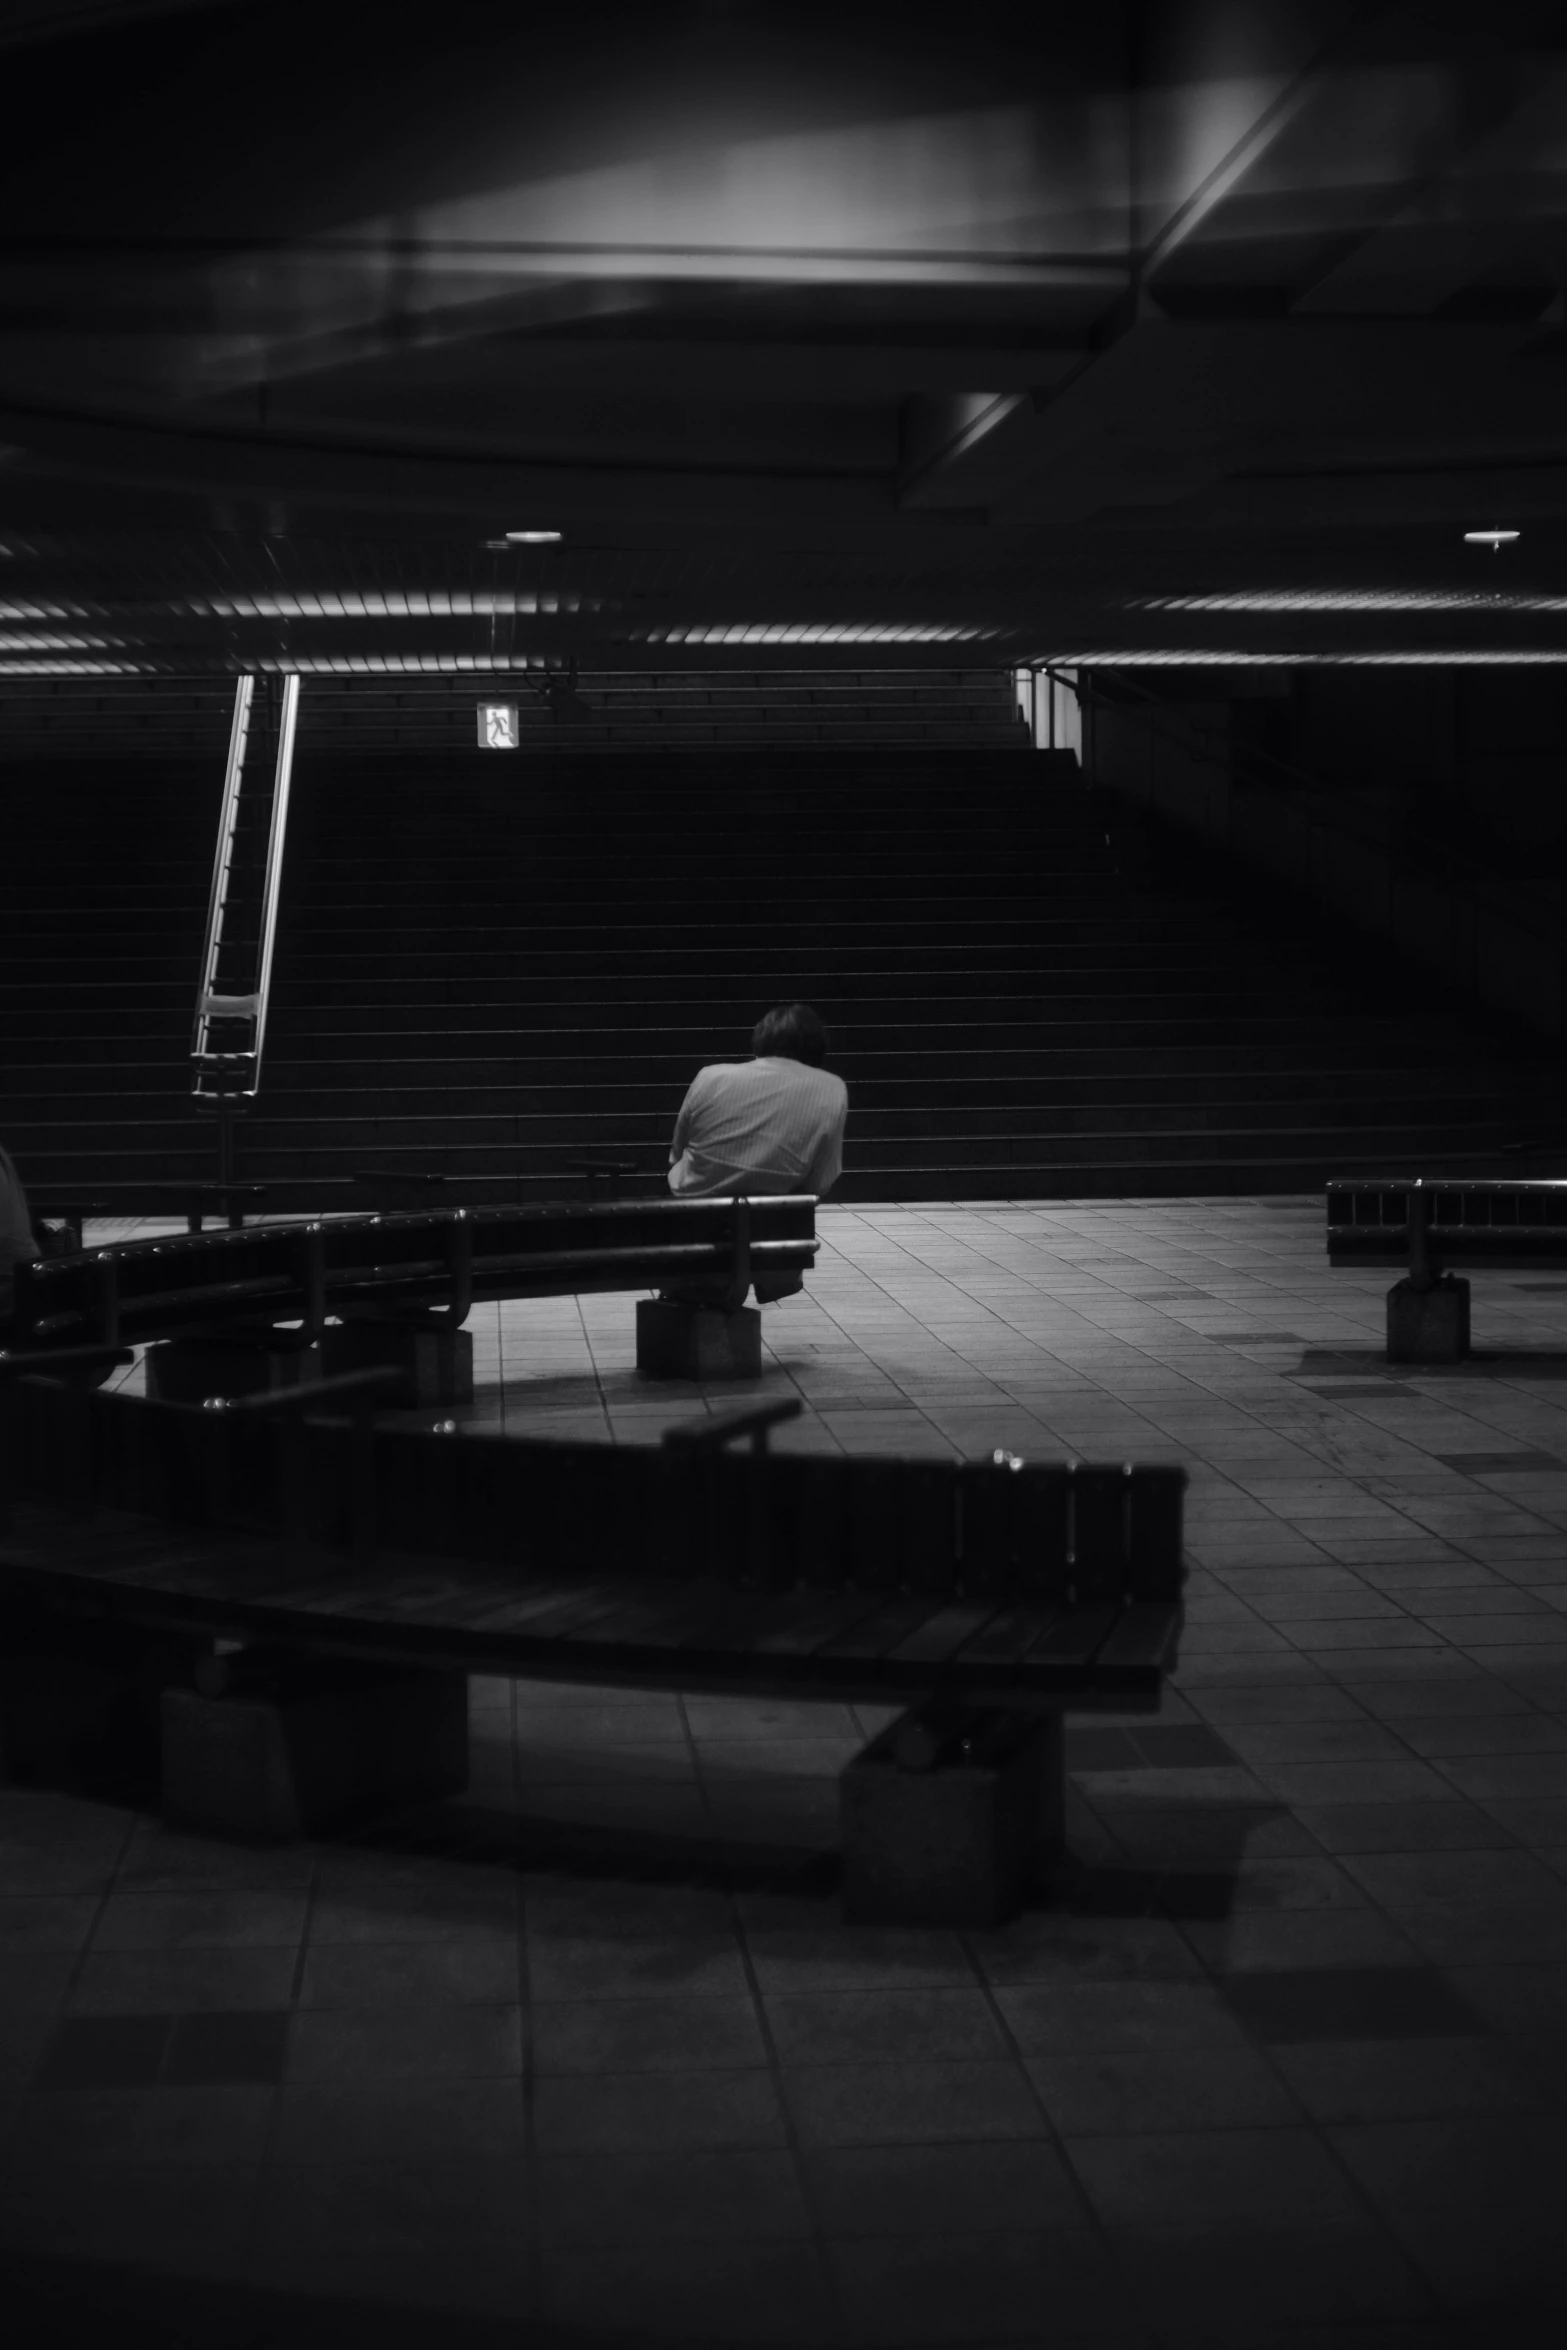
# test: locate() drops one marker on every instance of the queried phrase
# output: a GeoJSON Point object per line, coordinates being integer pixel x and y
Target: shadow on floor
{"type": "Point", "coordinates": [63, 2305]}
{"type": "Point", "coordinates": [1187, 1886]}
{"type": "Point", "coordinates": [1372, 1363]}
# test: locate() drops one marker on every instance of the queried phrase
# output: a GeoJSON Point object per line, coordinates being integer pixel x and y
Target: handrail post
{"type": "Point", "coordinates": [1420, 1272]}
{"type": "Point", "coordinates": [276, 837]}
{"type": "Point", "coordinates": [740, 1264]}
{"type": "Point", "coordinates": [458, 1245]}
{"type": "Point", "coordinates": [312, 1250]}
{"type": "Point", "coordinates": [108, 1285]}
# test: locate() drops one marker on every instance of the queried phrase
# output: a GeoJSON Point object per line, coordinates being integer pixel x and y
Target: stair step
{"type": "Point", "coordinates": [540, 972]}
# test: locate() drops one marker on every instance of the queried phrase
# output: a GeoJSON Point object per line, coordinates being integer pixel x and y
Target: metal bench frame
{"type": "Point", "coordinates": [434, 1265]}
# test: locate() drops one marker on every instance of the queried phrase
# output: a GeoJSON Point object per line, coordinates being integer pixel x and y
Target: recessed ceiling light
{"type": "Point", "coordinates": [1488, 538]}
{"type": "Point", "coordinates": [532, 538]}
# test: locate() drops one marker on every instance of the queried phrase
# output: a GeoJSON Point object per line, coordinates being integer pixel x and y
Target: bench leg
{"type": "Point", "coordinates": [1428, 1324]}
{"type": "Point", "coordinates": [951, 1817]}
{"type": "Point", "coordinates": [697, 1342]}
{"type": "Point", "coordinates": [436, 1362]}
{"type": "Point", "coordinates": [309, 1746]}
{"type": "Point", "coordinates": [188, 1370]}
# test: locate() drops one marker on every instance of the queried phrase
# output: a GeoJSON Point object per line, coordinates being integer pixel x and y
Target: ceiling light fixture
{"type": "Point", "coordinates": [1353, 600]}
{"type": "Point", "coordinates": [532, 538]}
{"type": "Point", "coordinates": [1494, 539]}
{"type": "Point", "coordinates": [46, 668]}
{"type": "Point", "coordinates": [38, 640]}
{"type": "Point", "coordinates": [412, 604]}
{"type": "Point", "coordinates": [1220, 657]}
{"type": "Point", "coordinates": [834, 632]}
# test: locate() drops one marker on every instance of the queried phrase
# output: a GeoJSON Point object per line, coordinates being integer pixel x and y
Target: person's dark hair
{"type": "Point", "coordinates": [790, 1032]}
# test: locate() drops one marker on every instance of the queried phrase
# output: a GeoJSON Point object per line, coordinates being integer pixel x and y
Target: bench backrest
{"type": "Point", "coordinates": [273, 1273]}
{"type": "Point", "coordinates": [1496, 1222]}
{"type": "Point", "coordinates": [981, 1530]}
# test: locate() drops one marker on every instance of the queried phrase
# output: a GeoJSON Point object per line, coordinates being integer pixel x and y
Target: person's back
{"type": "Point", "coordinates": [772, 1124]}
{"type": "Point", "coordinates": [768, 1125]}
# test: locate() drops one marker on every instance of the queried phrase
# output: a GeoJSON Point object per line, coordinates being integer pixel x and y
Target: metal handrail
{"type": "Point", "coordinates": [222, 866]}
{"type": "Point", "coordinates": [253, 1003]}
{"type": "Point", "coordinates": [276, 836]}
{"type": "Point", "coordinates": [711, 1435]}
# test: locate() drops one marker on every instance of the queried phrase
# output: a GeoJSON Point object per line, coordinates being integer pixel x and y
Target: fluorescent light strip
{"type": "Point", "coordinates": [837, 632]}
{"type": "Point", "coordinates": [1225, 657]}
{"type": "Point", "coordinates": [398, 664]}
{"type": "Point", "coordinates": [1351, 600]}
{"type": "Point", "coordinates": [36, 640]}
{"type": "Point", "coordinates": [77, 669]}
{"type": "Point", "coordinates": [335, 604]}
{"type": "Point", "coordinates": [12, 610]}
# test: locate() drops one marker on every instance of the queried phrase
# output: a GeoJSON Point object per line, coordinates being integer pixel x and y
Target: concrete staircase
{"type": "Point", "coordinates": [494, 968]}
{"type": "Point", "coordinates": [493, 974]}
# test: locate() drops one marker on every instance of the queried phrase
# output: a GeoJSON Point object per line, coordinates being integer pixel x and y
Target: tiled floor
{"type": "Point", "coordinates": [590, 2059]}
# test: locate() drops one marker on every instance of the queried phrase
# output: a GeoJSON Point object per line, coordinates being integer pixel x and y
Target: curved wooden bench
{"type": "Point", "coordinates": [998, 1585]}
{"type": "Point", "coordinates": [442, 1263]}
{"type": "Point", "coordinates": [1000, 1580]}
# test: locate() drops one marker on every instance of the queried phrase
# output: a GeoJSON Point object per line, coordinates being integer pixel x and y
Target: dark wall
{"type": "Point", "coordinates": [1425, 804]}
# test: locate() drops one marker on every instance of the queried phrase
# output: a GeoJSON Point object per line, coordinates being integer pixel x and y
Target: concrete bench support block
{"type": "Point", "coordinates": [436, 1364]}
{"type": "Point", "coordinates": [188, 1370]}
{"type": "Point", "coordinates": [314, 1746]}
{"type": "Point", "coordinates": [697, 1342]}
{"type": "Point", "coordinates": [951, 1816]}
{"type": "Point", "coordinates": [1429, 1325]}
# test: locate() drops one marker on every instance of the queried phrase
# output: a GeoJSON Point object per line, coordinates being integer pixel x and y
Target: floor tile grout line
{"type": "Point", "coordinates": [1098, 2226]}
{"type": "Point", "coordinates": [60, 2015]}
{"type": "Point", "coordinates": [268, 2165]}
{"type": "Point", "coordinates": [819, 2237]}
{"type": "Point", "coordinates": [532, 2263]}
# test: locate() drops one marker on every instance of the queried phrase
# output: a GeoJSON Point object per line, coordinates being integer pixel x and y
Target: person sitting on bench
{"type": "Point", "coordinates": [771, 1124]}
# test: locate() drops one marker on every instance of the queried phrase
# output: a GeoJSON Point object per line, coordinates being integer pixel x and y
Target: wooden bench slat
{"type": "Point", "coordinates": [1154, 1511]}
{"type": "Point", "coordinates": [1144, 1636]}
{"type": "Point", "coordinates": [1100, 1498]}
{"type": "Point", "coordinates": [624, 1623]}
{"type": "Point", "coordinates": [705, 1617]}
{"type": "Point", "coordinates": [559, 1618]}
{"type": "Point", "coordinates": [417, 1593]}
{"type": "Point", "coordinates": [1074, 1637]}
{"type": "Point", "coordinates": [352, 1592]}
{"type": "Point", "coordinates": [942, 1635]}
{"type": "Point", "coordinates": [1008, 1636]}
{"type": "Point", "coordinates": [530, 1598]}
{"type": "Point", "coordinates": [876, 1634]}
{"type": "Point", "coordinates": [1015, 1528]}
{"type": "Point", "coordinates": [806, 1619]}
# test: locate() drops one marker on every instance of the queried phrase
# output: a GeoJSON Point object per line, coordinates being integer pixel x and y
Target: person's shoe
{"type": "Point", "coordinates": [768, 1292]}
